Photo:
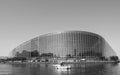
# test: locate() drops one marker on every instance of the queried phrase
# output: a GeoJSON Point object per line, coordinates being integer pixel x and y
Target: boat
{"type": "Point", "coordinates": [62, 66]}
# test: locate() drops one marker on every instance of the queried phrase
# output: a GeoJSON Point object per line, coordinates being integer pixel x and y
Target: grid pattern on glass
{"type": "Point", "coordinates": [73, 44]}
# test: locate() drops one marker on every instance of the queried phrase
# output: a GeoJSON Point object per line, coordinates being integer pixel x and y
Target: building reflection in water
{"type": "Point", "coordinates": [92, 69]}
{"type": "Point", "coordinates": [48, 69]}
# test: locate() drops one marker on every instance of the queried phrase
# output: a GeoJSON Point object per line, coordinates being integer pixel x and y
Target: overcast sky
{"type": "Point", "coordinates": [22, 20]}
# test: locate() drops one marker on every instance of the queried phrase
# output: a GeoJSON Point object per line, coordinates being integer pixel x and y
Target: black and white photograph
{"type": "Point", "coordinates": [59, 37]}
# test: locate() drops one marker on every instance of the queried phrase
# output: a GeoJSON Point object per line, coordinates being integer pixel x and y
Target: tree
{"type": "Point", "coordinates": [114, 58]}
{"type": "Point", "coordinates": [68, 56]}
{"type": "Point", "coordinates": [47, 55]}
{"type": "Point", "coordinates": [102, 58]}
{"type": "Point", "coordinates": [34, 53]}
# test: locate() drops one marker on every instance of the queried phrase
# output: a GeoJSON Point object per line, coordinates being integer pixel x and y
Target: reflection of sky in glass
{"type": "Point", "coordinates": [74, 43]}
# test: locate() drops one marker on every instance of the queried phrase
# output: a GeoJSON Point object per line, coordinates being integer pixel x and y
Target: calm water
{"type": "Point", "coordinates": [47, 69]}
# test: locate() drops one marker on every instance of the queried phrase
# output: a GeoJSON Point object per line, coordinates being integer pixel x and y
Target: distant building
{"type": "Point", "coordinates": [3, 57]}
{"type": "Point", "coordinates": [65, 44]}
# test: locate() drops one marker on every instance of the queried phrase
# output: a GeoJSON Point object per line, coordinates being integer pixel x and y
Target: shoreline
{"type": "Point", "coordinates": [82, 62]}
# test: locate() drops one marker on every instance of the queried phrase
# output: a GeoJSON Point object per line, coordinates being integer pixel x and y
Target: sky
{"type": "Point", "coordinates": [22, 20]}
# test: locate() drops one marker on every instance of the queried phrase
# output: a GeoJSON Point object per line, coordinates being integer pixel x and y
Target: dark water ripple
{"type": "Point", "coordinates": [48, 69]}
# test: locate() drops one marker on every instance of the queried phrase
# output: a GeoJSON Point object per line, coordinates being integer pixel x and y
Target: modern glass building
{"type": "Point", "coordinates": [80, 44]}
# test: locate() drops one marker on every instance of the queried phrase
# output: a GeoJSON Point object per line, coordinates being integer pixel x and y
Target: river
{"type": "Point", "coordinates": [49, 69]}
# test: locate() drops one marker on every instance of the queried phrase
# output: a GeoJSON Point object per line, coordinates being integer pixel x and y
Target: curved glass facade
{"type": "Point", "coordinates": [65, 44]}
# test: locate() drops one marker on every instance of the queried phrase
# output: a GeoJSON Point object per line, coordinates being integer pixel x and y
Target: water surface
{"type": "Point", "coordinates": [48, 69]}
